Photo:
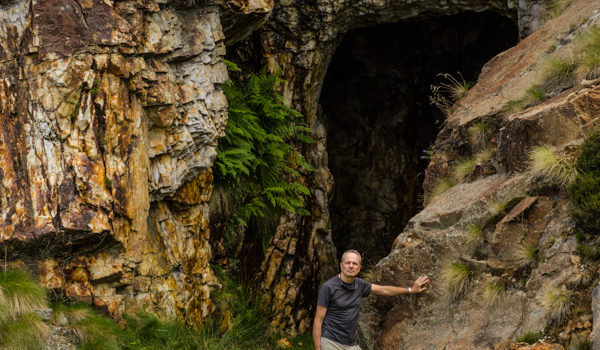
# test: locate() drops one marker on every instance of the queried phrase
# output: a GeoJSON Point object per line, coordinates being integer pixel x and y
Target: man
{"type": "Point", "coordinates": [334, 327]}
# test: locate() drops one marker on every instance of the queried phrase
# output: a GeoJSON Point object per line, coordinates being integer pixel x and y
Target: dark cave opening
{"type": "Point", "coordinates": [375, 104]}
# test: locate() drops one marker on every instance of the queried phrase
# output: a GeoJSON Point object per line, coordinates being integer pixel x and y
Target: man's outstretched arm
{"type": "Point", "coordinates": [417, 287]}
{"type": "Point", "coordinates": [319, 316]}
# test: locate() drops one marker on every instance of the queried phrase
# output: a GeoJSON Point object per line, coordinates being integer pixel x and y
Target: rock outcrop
{"type": "Point", "coordinates": [110, 117]}
{"type": "Point", "coordinates": [532, 214]}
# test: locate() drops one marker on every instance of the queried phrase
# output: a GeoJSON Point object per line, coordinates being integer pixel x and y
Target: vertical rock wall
{"type": "Point", "coordinates": [110, 115]}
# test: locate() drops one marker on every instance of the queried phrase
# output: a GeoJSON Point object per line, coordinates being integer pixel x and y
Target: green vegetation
{"type": "Point", "coordinates": [513, 106]}
{"type": "Point", "coordinates": [553, 168]}
{"type": "Point", "coordinates": [584, 192]}
{"type": "Point", "coordinates": [20, 297]}
{"type": "Point", "coordinates": [588, 48]}
{"type": "Point", "coordinates": [455, 279]}
{"type": "Point", "coordinates": [529, 337]}
{"type": "Point", "coordinates": [527, 251]}
{"type": "Point", "coordinates": [585, 345]}
{"type": "Point", "coordinates": [440, 186]}
{"type": "Point", "coordinates": [483, 156]}
{"type": "Point", "coordinates": [555, 8]}
{"type": "Point", "coordinates": [499, 210]}
{"type": "Point", "coordinates": [474, 238]}
{"type": "Point", "coordinates": [588, 252]}
{"type": "Point", "coordinates": [493, 294]}
{"type": "Point", "coordinates": [479, 134]}
{"type": "Point", "coordinates": [447, 93]}
{"type": "Point", "coordinates": [558, 304]}
{"type": "Point", "coordinates": [558, 71]}
{"type": "Point", "coordinates": [255, 162]}
{"type": "Point", "coordinates": [534, 95]}
{"type": "Point", "coordinates": [463, 169]}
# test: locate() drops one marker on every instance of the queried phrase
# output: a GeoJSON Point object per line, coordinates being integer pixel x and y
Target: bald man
{"type": "Point", "coordinates": [334, 327]}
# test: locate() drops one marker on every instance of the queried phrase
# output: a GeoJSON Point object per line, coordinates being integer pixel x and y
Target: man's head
{"type": "Point", "coordinates": [350, 264]}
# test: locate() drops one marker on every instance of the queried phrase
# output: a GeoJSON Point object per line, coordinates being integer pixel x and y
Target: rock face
{"type": "Point", "coordinates": [531, 214]}
{"type": "Point", "coordinates": [110, 114]}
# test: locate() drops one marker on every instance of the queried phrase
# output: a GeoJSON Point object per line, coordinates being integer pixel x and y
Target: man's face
{"type": "Point", "coordinates": [350, 265]}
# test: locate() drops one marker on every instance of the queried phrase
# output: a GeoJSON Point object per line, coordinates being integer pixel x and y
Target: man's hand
{"type": "Point", "coordinates": [420, 284]}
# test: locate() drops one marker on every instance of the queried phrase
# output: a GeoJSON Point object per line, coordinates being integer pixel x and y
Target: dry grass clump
{"type": "Point", "coordinates": [527, 252]}
{"type": "Point", "coordinates": [555, 8]}
{"type": "Point", "coordinates": [474, 238]}
{"type": "Point", "coordinates": [463, 169]}
{"type": "Point", "coordinates": [446, 94]}
{"type": "Point", "coordinates": [558, 71]}
{"type": "Point", "coordinates": [557, 302]}
{"type": "Point", "coordinates": [494, 294]}
{"type": "Point", "coordinates": [455, 279]}
{"type": "Point", "coordinates": [513, 106]}
{"type": "Point", "coordinates": [534, 95]}
{"type": "Point", "coordinates": [553, 168]}
{"type": "Point", "coordinates": [479, 134]}
{"type": "Point", "coordinates": [483, 156]}
{"type": "Point", "coordinates": [588, 49]}
{"type": "Point", "coordinates": [441, 185]}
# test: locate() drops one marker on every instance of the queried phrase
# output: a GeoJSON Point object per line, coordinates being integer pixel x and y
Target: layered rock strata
{"type": "Point", "coordinates": [110, 117]}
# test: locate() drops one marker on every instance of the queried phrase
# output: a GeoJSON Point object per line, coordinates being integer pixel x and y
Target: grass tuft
{"type": "Point", "coordinates": [513, 106]}
{"type": "Point", "coordinates": [527, 252]}
{"type": "Point", "coordinates": [535, 94]}
{"type": "Point", "coordinates": [493, 294]}
{"type": "Point", "coordinates": [479, 134]}
{"type": "Point", "coordinates": [585, 345]}
{"type": "Point", "coordinates": [558, 71]}
{"type": "Point", "coordinates": [20, 294]}
{"type": "Point", "coordinates": [553, 168]}
{"type": "Point", "coordinates": [529, 337]}
{"type": "Point", "coordinates": [483, 156]}
{"type": "Point", "coordinates": [557, 303]}
{"type": "Point", "coordinates": [463, 169]}
{"type": "Point", "coordinates": [588, 48]}
{"type": "Point", "coordinates": [555, 8]}
{"type": "Point", "coordinates": [27, 332]}
{"type": "Point", "coordinates": [455, 279]}
{"type": "Point", "coordinates": [441, 185]}
{"type": "Point", "coordinates": [474, 238]}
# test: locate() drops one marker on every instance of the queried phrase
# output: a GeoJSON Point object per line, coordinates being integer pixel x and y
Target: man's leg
{"type": "Point", "coordinates": [328, 344]}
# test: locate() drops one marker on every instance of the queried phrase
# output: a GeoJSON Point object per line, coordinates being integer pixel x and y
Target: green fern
{"type": "Point", "coordinates": [255, 160]}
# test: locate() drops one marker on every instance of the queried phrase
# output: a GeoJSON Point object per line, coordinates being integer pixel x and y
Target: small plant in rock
{"type": "Point", "coordinates": [527, 251]}
{"type": "Point", "coordinates": [440, 186]}
{"type": "Point", "coordinates": [463, 169]}
{"type": "Point", "coordinates": [588, 48]}
{"type": "Point", "coordinates": [479, 134]}
{"type": "Point", "coordinates": [529, 337]}
{"type": "Point", "coordinates": [455, 279]}
{"type": "Point", "coordinates": [447, 93]}
{"type": "Point", "coordinates": [588, 252]}
{"type": "Point", "coordinates": [558, 71]}
{"type": "Point", "coordinates": [493, 294]}
{"type": "Point", "coordinates": [474, 238]}
{"type": "Point", "coordinates": [555, 8]}
{"type": "Point", "coordinates": [513, 106]}
{"type": "Point", "coordinates": [584, 345]}
{"type": "Point", "coordinates": [558, 303]}
{"type": "Point", "coordinates": [483, 156]}
{"type": "Point", "coordinates": [535, 94]}
{"type": "Point", "coordinates": [86, 327]}
{"type": "Point", "coordinates": [544, 163]}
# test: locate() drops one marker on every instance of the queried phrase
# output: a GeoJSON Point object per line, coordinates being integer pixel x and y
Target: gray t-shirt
{"type": "Point", "coordinates": [342, 301]}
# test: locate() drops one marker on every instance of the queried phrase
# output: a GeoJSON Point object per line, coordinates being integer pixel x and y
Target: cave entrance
{"type": "Point", "coordinates": [375, 105]}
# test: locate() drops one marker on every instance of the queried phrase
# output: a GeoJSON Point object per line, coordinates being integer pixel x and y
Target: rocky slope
{"type": "Point", "coordinates": [436, 236]}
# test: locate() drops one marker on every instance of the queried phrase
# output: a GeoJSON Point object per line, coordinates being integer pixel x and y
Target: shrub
{"type": "Point", "coordinates": [555, 169]}
{"type": "Point", "coordinates": [529, 337]}
{"type": "Point", "coordinates": [479, 134]}
{"type": "Point", "coordinates": [255, 162]}
{"type": "Point", "coordinates": [455, 279]}
{"type": "Point", "coordinates": [463, 169]}
{"type": "Point", "coordinates": [584, 192]}
{"type": "Point", "coordinates": [557, 303]}
{"type": "Point", "coordinates": [440, 186]}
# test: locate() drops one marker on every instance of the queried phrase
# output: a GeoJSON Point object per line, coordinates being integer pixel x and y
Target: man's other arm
{"type": "Point", "coordinates": [319, 316]}
{"type": "Point", "coordinates": [417, 287]}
